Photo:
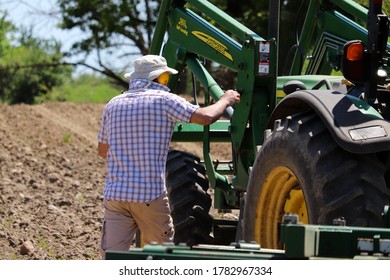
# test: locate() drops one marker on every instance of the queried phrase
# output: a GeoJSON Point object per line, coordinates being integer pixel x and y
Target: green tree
{"type": "Point", "coordinates": [29, 67]}
{"type": "Point", "coordinates": [111, 26]}
{"type": "Point", "coordinates": [5, 27]}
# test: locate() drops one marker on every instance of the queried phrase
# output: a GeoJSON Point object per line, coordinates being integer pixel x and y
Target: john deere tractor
{"type": "Point", "coordinates": [313, 145]}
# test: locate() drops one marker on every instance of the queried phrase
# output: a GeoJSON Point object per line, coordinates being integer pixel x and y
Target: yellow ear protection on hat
{"type": "Point", "coordinates": [163, 78]}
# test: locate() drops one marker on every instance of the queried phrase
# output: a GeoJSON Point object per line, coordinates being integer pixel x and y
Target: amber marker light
{"type": "Point", "coordinates": [355, 52]}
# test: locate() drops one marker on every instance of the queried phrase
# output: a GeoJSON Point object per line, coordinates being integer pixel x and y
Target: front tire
{"type": "Point", "coordinates": [190, 203]}
{"type": "Point", "coordinates": [300, 169]}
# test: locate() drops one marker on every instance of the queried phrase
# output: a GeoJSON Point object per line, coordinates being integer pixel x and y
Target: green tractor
{"type": "Point", "coordinates": [311, 144]}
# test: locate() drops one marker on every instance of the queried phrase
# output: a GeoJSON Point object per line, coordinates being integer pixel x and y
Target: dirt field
{"type": "Point", "coordinates": [51, 181]}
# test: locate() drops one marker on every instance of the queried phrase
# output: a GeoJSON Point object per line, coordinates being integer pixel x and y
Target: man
{"type": "Point", "coordinates": [134, 136]}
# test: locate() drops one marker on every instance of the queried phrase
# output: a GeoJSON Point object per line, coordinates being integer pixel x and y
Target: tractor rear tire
{"type": "Point", "coordinates": [300, 169]}
{"type": "Point", "coordinates": [190, 203]}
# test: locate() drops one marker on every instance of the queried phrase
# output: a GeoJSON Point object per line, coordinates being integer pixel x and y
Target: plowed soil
{"type": "Point", "coordinates": [51, 181]}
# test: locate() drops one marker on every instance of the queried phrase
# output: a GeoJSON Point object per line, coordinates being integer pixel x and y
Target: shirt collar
{"type": "Point", "coordinates": [144, 84]}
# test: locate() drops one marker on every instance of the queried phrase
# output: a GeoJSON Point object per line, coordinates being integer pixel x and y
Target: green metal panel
{"type": "Point", "coordinates": [300, 242]}
{"type": "Point", "coordinates": [207, 252]}
{"type": "Point", "coordinates": [305, 36]}
{"type": "Point", "coordinates": [325, 30]}
{"type": "Point", "coordinates": [161, 26]}
{"type": "Point", "coordinates": [352, 8]}
{"type": "Point", "coordinates": [334, 31]}
{"type": "Point", "coordinates": [190, 132]}
{"type": "Point", "coordinates": [195, 35]}
{"type": "Point", "coordinates": [308, 80]}
{"type": "Point", "coordinates": [223, 19]}
{"type": "Point", "coordinates": [314, 241]}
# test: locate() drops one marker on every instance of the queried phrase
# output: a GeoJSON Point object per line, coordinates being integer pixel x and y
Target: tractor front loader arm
{"type": "Point", "coordinates": [191, 31]}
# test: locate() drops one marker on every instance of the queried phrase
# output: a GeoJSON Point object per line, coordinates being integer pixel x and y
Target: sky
{"type": "Point", "coordinates": [42, 15]}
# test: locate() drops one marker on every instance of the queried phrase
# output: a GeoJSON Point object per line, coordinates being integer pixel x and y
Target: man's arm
{"type": "Point", "coordinates": [208, 115]}
{"type": "Point", "coordinates": [102, 149]}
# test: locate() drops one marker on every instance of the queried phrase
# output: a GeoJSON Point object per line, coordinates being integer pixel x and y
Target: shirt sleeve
{"type": "Point", "coordinates": [179, 109]}
{"type": "Point", "coordinates": [102, 134]}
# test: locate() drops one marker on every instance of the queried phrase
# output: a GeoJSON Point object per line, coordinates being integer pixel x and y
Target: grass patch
{"type": "Point", "coordinates": [82, 89]}
{"type": "Point", "coordinates": [80, 197]}
{"type": "Point", "coordinates": [42, 243]}
{"type": "Point", "coordinates": [66, 138]}
{"type": "Point", "coordinates": [95, 91]}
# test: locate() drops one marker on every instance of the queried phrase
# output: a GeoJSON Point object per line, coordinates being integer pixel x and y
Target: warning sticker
{"type": "Point", "coordinates": [263, 68]}
{"type": "Point", "coordinates": [264, 49]}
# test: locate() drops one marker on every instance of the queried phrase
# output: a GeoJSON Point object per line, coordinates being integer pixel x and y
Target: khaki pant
{"type": "Point", "coordinates": [122, 219]}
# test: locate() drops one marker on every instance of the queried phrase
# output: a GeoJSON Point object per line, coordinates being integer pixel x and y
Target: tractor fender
{"type": "Point", "coordinates": [356, 126]}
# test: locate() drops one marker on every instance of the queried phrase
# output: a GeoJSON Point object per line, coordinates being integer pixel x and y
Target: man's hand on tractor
{"type": "Point", "coordinates": [231, 96]}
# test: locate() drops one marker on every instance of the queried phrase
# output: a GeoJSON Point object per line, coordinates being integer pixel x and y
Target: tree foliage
{"type": "Point", "coordinates": [111, 26]}
{"type": "Point", "coordinates": [29, 67]}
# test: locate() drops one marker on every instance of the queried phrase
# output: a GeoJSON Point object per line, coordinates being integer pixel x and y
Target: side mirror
{"type": "Point", "coordinates": [354, 62]}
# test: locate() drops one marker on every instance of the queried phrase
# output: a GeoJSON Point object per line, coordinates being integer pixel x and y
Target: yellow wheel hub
{"type": "Point", "coordinates": [281, 193]}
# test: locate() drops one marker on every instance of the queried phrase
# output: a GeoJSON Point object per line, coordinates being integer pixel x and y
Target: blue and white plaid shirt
{"type": "Point", "coordinates": [138, 127]}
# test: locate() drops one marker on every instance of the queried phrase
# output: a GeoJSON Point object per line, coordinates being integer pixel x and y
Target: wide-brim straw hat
{"type": "Point", "coordinates": [149, 67]}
